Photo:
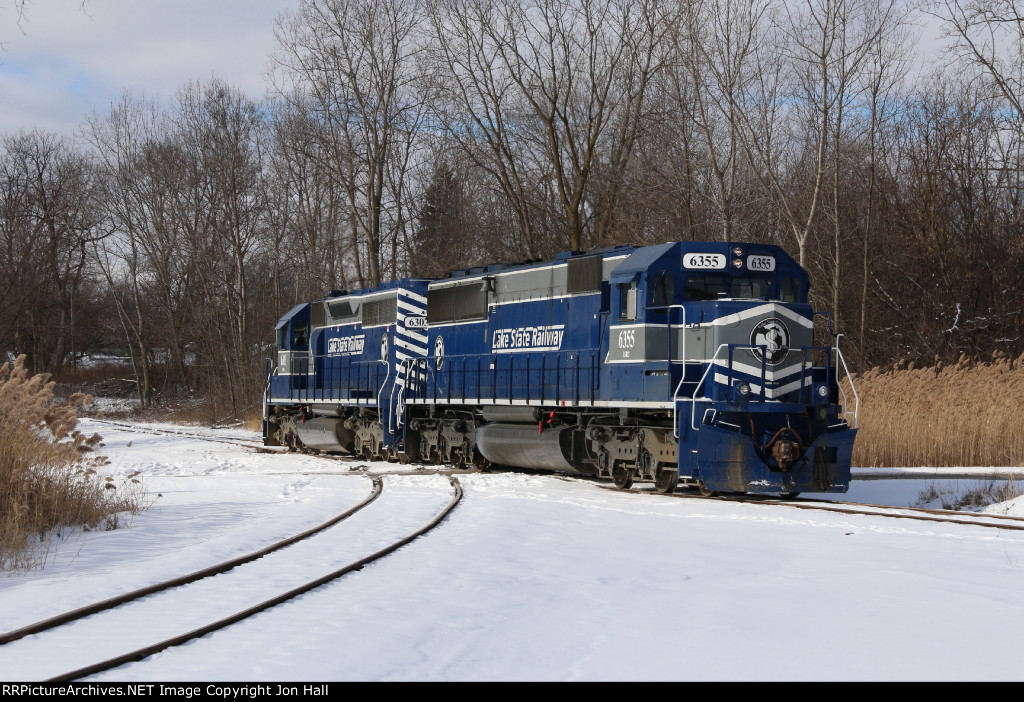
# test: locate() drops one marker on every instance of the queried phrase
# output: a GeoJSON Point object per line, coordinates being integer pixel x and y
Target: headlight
{"type": "Point", "coordinates": [822, 391]}
{"type": "Point", "coordinates": [744, 388]}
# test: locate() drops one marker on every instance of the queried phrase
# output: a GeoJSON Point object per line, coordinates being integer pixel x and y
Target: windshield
{"type": "Point", "coordinates": [711, 286]}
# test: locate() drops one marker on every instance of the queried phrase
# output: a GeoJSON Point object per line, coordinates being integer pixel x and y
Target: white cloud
{"type": "Point", "coordinates": [65, 61]}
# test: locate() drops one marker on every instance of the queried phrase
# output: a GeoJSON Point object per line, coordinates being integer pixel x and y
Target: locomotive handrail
{"type": "Point", "coordinates": [363, 377]}
{"type": "Point", "coordinates": [841, 359]}
{"type": "Point", "coordinates": [693, 398]}
{"type": "Point", "coordinates": [762, 394]}
{"type": "Point", "coordinates": [856, 399]}
{"type": "Point", "coordinates": [380, 407]}
{"type": "Point", "coordinates": [269, 368]}
{"type": "Point", "coordinates": [403, 362]}
{"type": "Point", "coordinates": [668, 330]}
{"type": "Point", "coordinates": [569, 383]}
{"type": "Point", "coordinates": [711, 364]}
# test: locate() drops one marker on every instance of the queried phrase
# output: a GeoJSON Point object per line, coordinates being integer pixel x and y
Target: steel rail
{"type": "Point", "coordinates": [155, 431]}
{"type": "Point", "coordinates": [142, 653]}
{"type": "Point", "coordinates": [118, 600]}
{"type": "Point", "coordinates": [944, 516]}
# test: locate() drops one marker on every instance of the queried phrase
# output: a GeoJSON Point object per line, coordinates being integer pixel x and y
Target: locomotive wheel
{"type": "Point", "coordinates": [479, 462]}
{"type": "Point", "coordinates": [788, 495]}
{"type": "Point", "coordinates": [666, 481]}
{"type": "Point", "coordinates": [706, 491]}
{"type": "Point", "coordinates": [622, 477]}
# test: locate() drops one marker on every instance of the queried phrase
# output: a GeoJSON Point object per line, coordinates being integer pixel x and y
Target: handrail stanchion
{"type": "Point", "coordinates": [764, 375]}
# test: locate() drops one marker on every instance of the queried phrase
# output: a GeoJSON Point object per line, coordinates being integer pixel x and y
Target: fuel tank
{"type": "Point", "coordinates": [501, 414]}
{"type": "Point", "coordinates": [524, 446]}
{"type": "Point", "coordinates": [325, 434]}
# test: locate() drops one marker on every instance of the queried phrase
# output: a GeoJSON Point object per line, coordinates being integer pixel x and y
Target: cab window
{"type": "Point", "coordinates": [751, 287]}
{"type": "Point", "coordinates": [711, 286]}
{"type": "Point", "coordinates": [706, 287]}
{"type": "Point", "coordinates": [664, 290]}
{"type": "Point", "coordinates": [627, 300]}
{"type": "Point", "coordinates": [790, 290]}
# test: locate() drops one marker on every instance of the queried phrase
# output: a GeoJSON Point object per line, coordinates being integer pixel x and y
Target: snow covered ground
{"type": "Point", "coordinates": [532, 577]}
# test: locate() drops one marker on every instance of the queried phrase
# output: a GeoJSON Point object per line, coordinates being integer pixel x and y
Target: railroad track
{"type": "Point", "coordinates": [917, 513]}
{"type": "Point", "coordinates": [997, 521]}
{"type": "Point", "coordinates": [30, 647]}
{"type": "Point", "coordinates": [110, 603]}
{"type": "Point", "coordinates": [257, 446]}
{"type": "Point", "coordinates": [360, 467]}
{"type": "Point", "coordinates": [158, 431]}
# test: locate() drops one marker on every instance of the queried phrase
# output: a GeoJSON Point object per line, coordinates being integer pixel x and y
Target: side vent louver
{"type": "Point", "coordinates": [584, 275]}
{"type": "Point", "coordinates": [458, 303]}
{"type": "Point", "coordinates": [382, 311]}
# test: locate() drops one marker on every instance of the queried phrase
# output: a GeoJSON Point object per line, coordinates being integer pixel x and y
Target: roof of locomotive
{"type": "Point", "coordinates": [404, 283]}
{"type": "Point", "coordinates": [479, 271]}
{"type": "Point", "coordinates": [637, 258]}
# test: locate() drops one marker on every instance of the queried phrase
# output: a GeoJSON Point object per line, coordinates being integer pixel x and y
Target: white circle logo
{"type": "Point", "coordinates": [439, 352]}
{"type": "Point", "coordinates": [773, 335]}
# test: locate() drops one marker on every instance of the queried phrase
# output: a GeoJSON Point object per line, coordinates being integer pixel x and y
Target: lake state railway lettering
{"type": "Point", "coordinates": [348, 345]}
{"type": "Point", "coordinates": [528, 338]}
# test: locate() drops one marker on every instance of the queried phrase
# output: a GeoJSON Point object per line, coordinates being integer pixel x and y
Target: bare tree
{"type": "Point", "coordinates": [220, 135]}
{"type": "Point", "coordinates": [308, 212]}
{"type": "Point", "coordinates": [713, 44]}
{"type": "Point", "coordinates": [889, 63]}
{"type": "Point", "coordinates": [538, 90]}
{"type": "Point", "coordinates": [353, 63]}
{"type": "Point", "coordinates": [140, 260]}
{"type": "Point", "coordinates": [47, 222]}
{"type": "Point", "coordinates": [822, 44]}
{"type": "Point", "coordinates": [990, 34]}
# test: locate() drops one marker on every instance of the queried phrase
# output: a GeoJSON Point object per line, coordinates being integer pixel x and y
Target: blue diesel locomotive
{"type": "Point", "coordinates": [685, 361]}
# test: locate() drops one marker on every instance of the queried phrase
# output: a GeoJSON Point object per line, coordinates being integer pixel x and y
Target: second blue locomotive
{"type": "Point", "coordinates": [686, 361]}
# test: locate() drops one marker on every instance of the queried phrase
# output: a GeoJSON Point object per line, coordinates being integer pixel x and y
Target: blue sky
{"type": "Point", "coordinates": [66, 61]}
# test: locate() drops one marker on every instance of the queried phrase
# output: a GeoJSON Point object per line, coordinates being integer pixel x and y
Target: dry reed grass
{"type": "Point", "coordinates": [92, 374]}
{"type": "Point", "coordinates": [966, 414]}
{"type": "Point", "coordinates": [48, 471]}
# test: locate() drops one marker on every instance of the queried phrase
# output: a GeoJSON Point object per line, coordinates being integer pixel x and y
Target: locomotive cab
{"type": "Point", "coordinates": [289, 370]}
{"type": "Point", "coordinates": [292, 336]}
